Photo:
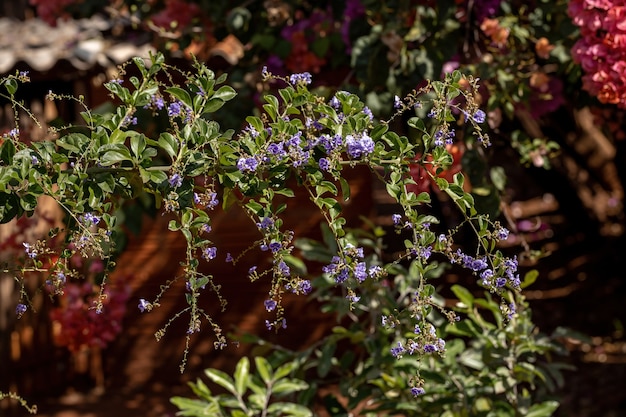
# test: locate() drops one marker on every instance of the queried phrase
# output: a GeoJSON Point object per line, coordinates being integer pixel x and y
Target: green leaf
{"type": "Point", "coordinates": [325, 362]}
{"type": "Point", "coordinates": [7, 151]}
{"type": "Point", "coordinates": [463, 295]}
{"type": "Point", "coordinates": [289, 409]}
{"type": "Point", "coordinates": [287, 386]}
{"type": "Point", "coordinates": [285, 369]}
{"type": "Point", "coordinates": [225, 93]}
{"type": "Point", "coordinates": [545, 409]}
{"type": "Point", "coordinates": [264, 369]}
{"type": "Point", "coordinates": [242, 375]}
{"type": "Point", "coordinates": [11, 85]}
{"type": "Point", "coordinates": [195, 408]}
{"type": "Point", "coordinates": [529, 278]}
{"type": "Point", "coordinates": [221, 378]}
{"type": "Point", "coordinates": [181, 95]}
{"type": "Point", "coordinates": [168, 143]}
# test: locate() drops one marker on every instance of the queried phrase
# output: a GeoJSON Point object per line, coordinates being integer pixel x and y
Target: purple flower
{"type": "Point", "coordinates": [502, 233]}
{"type": "Point", "coordinates": [429, 348]}
{"type": "Point", "coordinates": [360, 271]}
{"type": "Point", "coordinates": [247, 164]}
{"type": "Point", "coordinates": [398, 350]}
{"type": "Point", "coordinates": [276, 149]}
{"type": "Point", "coordinates": [359, 146]}
{"type": "Point", "coordinates": [30, 251]}
{"type": "Point", "coordinates": [368, 113]}
{"type": "Point", "coordinates": [417, 391]}
{"type": "Point", "coordinates": [275, 246]}
{"type": "Point", "coordinates": [334, 103]}
{"type": "Point", "coordinates": [270, 305]}
{"type": "Point", "coordinates": [209, 253]}
{"type": "Point", "coordinates": [479, 116]}
{"type": "Point", "coordinates": [283, 268]}
{"type": "Point", "coordinates": [500, 282]}
{"type": "Point", "coordinates": [397, 102]}
{"type": "Point", "coordinates": [175, 180]}
{"type": "Point", "coordinates": [229, 257]}
{"type": "Point", "coordinates": [353, 298]}
{"type": "Point", "coordinates": [324, 164]}
{"type": "Point", "coordinates": [304, 78]}
{"type": "Point", "coordinates": [266, 223]}
{"type": "Point", "coordinates": [305, 286]}
{"type": "Point", "coordinates": [174, 109]}
{"type": "Point", "coordinates": [89, 219]}
{"type": "Point", "coordinates": [20, 309]}
{"type": "Point", "coordinates": [397, 219]}
{"type": "Point", "coordinates": [144, 305]}
{"type": "Point", "coordinates": [375, 271]}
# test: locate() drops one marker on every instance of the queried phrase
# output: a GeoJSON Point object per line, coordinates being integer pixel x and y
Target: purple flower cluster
{"type": "Point", "coordinates": [442, 137]}
{"type": "Point", "coordinates": [89, 219]}
{"type": "Point", "coordinates": [359, 146]}
{"type": "Point", "coordinates": [505, 272]}
{"type": "Point", "coordinates": [352, 262]}
{"type": "Point", "coordinates": [304, 78]}
{"type": "Point", "coordinates": [249, 164]}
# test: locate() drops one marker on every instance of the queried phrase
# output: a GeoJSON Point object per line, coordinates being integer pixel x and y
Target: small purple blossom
{"type": "Point", "coordinates": [368, 113]}
{"type": "Point", "coordinates": [305, 286]}
{"type": "Point", "coordinates": [144, 305]}
{"type": "Point", "coordinates": [270, 305]}
{"type": "Point", "coordinates": [304, 78]}
{"type": "Point", "coordinates": [275, 246]}
{"type": "Point", "coordinates": [31, 252]}
{"type": "Point", "coordinates": [174, 109]}
{"type": "Point", "coordinates": [417, 391]}
{"type": "Point", "coordinates": [360, 271]}
{"type": "Point", "coordinates": [324, 164]}
{"type": "Point", "coordinates": [396, 218]}
{"type": "Point", "coordinates": [20, 309]}
{"type": "Point", "coordinates": [502, 233]}
{"type": "Point", "coordinates": [229, 257]}
{"type": "Point", "coordinates": [334, 103]}
{"type": "Point", "coordinates": [249, 164]}
{"type": "Point", "coordinates": [175, 180]}
{"type": "Point", "coordinates": [375, 271]}
{"type": "Point", "coordinates": [209, 253]}
{"type": "Point", "coordinates": [479, 116]}
{"type": "Point", "coordinates": [265, 223]}
{"type": "Point", "coordinates": [284, 269]}
{"type": "Point", "coordinates": [397, 102]}
{"type": "Point", "coordinates": [398, 350]}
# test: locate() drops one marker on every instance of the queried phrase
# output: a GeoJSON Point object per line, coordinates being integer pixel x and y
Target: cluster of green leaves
{"type": "Point", "coordinates": [496, 362]}
{"type": "Point", "coordinates": [247, 393]}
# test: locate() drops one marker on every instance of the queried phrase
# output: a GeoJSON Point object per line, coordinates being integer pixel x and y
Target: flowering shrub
{"type": "Point", "coordinates": [192, 166]}
{"type": "Point", "coordinates": [376, 360]}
